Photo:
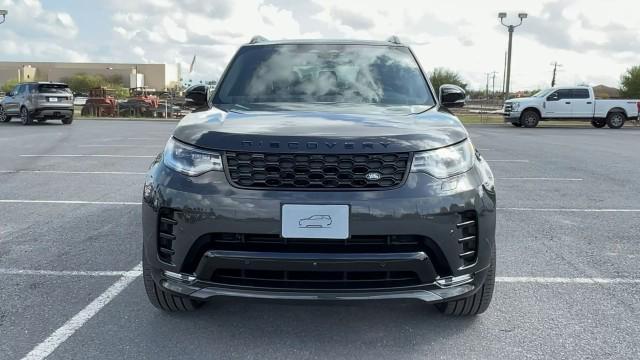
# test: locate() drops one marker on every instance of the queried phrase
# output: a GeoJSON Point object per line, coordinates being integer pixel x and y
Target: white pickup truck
{"type": "Point", "coordinates": [575, 103]}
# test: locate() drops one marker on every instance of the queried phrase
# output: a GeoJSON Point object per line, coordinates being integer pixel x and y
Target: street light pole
{"type": "Point", "coordinates": [511, 28]}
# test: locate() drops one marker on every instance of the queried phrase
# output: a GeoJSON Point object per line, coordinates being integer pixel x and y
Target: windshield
{"type": "Point", "coordinates": [361, 74]}
{"type": "Point", "coordinates": [542, 93]}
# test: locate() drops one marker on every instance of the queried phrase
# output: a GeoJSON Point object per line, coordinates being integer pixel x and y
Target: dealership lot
{"type": "Point", "coordinates": [70, 244]}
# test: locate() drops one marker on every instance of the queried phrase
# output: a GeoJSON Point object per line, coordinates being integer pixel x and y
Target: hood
{"type": "Point", "coordinates": [519, 100]}
{"type": "Point", "coordinates": [336, 130]}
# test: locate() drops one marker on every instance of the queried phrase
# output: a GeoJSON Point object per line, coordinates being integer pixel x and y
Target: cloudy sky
{"type": "Point", "coordinates": [594, 40]}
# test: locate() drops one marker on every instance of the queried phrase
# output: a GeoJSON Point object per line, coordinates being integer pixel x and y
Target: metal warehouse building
{"type": "Point", "coordinates": [154, 76]}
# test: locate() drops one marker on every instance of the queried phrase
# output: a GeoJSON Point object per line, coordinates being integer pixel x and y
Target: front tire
{"type": "Point", "coordinates": [25, 117]}
{"type": "Point", "coordinates": [615, 120]}
{"type": "Point", "coordinates": [477, 303]}
{"type": "Point", "coordinates": [68, 120]}
{"type": "Point", "coordinates": [162, 299]}
{"type": "Point", "coordinates": [530, 119]}
{"type": "Point", "coordinates": [3, 115]}
{"type": "Point", "coordinates": [598, 123]}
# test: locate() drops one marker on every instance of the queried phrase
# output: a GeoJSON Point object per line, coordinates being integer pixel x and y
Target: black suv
{"type": "Point", "coordinates": [321, 170]}
{"type": "Point", "coordinates": [39, 101]}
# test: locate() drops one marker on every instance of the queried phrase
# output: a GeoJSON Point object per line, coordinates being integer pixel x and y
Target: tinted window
{"type": "Point", "coordinates": [324, 73]}
{"type": "Point", "coordinates": [564, 94]}
{"type": "Point", "coordinates": [580, 93]}
{"type": "Point", "coordinates": [54, 89]}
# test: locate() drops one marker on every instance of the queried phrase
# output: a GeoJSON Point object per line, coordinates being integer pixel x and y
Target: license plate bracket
{"type": "Point", "coordinates": [315, 221]}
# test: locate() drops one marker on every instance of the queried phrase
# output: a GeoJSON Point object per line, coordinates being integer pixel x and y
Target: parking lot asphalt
{"type": "Point", "coordinates": [70, 240]}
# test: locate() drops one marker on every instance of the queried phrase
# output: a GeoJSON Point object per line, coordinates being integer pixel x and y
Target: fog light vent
{"type": "Point", "coordinates": [468, 240]}
{"type": "Point", "coordinates": [166, 236]}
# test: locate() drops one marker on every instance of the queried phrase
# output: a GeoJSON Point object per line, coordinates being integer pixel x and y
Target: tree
{"type": "Point", "coordinates": [81, 83]}
{"type": "Point", "coordinates": [9, 85]}
{"type": "Point", "coordinates": [630, 83]}
{"type": "Point", "coordinates": [441, 76]}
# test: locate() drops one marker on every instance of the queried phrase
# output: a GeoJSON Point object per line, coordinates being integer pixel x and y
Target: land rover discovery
{"type": "Point", "coordinates": [321, 170]}
{"type": "Point", "coordinates": [40, 101]}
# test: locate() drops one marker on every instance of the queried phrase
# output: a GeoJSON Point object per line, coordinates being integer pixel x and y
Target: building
{"type": "Point", "coordinates": [153, 76]}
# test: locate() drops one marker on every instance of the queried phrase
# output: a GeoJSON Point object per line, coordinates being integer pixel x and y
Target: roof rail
{"type": "Point", "coordinates": [394, 40]}
{"type": "Point", "coordinates": [257, 39]}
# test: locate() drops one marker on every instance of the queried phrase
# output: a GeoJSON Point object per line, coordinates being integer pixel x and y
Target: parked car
{"type": "Point", "coordinates": [321, 170]}
{"type": "Point", "coordinates": [569, 103]}
{"type": "Point", "coordinates": [40, 101]}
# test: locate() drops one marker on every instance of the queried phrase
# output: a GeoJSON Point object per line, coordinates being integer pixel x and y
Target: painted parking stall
{"type": "Point", "coordinates": [70, 248]}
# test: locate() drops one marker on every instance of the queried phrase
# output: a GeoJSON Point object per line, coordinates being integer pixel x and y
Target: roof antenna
{"type": "Point", "coordinates": [394, 40]}
{"type": "Point", "coordinates": [258, 39]}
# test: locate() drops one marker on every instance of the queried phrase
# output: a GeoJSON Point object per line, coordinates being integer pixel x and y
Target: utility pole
{"type": "Point", "coordinates": [493, 89]}
{"type": "Point", "coordinates": [511, 28]}
{"type": "Point", "coordinates": [555, 68]}
{"type": "Point", "coordinates": [504, 73]}
{"type": "Point", "coordinates": [487, 88]}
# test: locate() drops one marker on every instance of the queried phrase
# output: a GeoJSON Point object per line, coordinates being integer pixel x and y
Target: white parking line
{"type": "Point", "coordinates": [76, 202]}
{"type": "Point", "coordinates": [567, 210]}
{"type": "Point", "coordinates": [45, 348]}
{"type": "Point", "coordinates": [540, 178]}
{"type": "Point", "coordinates": [565, 280]}
{"type": "Point", "coordinates": [507, 160]}
{"type": "Point", "coordinates": [505, 279]}
{"type": "Point", "coordinates": [66, 272]}
{"type": "Point", "coordinates": [121, 146]}
{"type": "Point", "coordinates": [70, 172]}
{"type": "Point", "coordinates": [93, 155]}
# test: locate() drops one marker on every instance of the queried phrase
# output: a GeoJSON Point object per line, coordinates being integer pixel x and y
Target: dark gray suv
{"type": "Point", "coordinates": [321, 170]}
{"type": "Point", "coordinates": [39, 101]}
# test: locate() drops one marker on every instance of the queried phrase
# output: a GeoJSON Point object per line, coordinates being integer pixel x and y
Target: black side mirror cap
{"type": "Point", "coordinates": [452, 96]}
{"type": "Point", "coordinates": [196, 99]}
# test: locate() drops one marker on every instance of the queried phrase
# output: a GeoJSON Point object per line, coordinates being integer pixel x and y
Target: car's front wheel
{"type": "Point", "coordinates": [162, 299]}
{"type": "Point", "coordinates": [477, 303]}
{"type": "Point", "coordinates": [530, 119]}
{"type": "Point", "coordinates": [67, 121]}
{"type": "Point", "coordinates": [3, 115]}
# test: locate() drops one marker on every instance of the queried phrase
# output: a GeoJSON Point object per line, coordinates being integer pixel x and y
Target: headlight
{"type": "Point", "coordinates": [515, 106]}
{"type": "Point", "coordinates": [190, 160]}
{"type": "Point", "coordinates": [444, 162]}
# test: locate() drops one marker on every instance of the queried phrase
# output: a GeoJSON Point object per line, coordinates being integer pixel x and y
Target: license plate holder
{"type": "Point", "coordinates": [315, 221]}
{"type": "Point", "coordinates": [53, 99]}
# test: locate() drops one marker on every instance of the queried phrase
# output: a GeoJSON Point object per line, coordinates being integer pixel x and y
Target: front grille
{"type": "Point", "coordinates": [508, 107]}
{"type": "Point", "coordinates": [355, 244]}
{"type": "Point", "coordinates": [315, 279]}
{"type": "Point", "coordinates": [316, 171]}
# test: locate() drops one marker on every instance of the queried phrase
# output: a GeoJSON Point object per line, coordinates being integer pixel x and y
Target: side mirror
{"type": "Point", "coordinates": [452, 96]}
{"type": "Point", "coordinates": [553, 97]}
{"type": "Point", "coordinates": [196, 98]}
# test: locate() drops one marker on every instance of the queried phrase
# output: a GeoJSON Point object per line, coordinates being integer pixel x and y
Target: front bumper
{"type": "Point", "coordinates": [510, 116]}
{"type": "Point", "coordinates": [206, 207]}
